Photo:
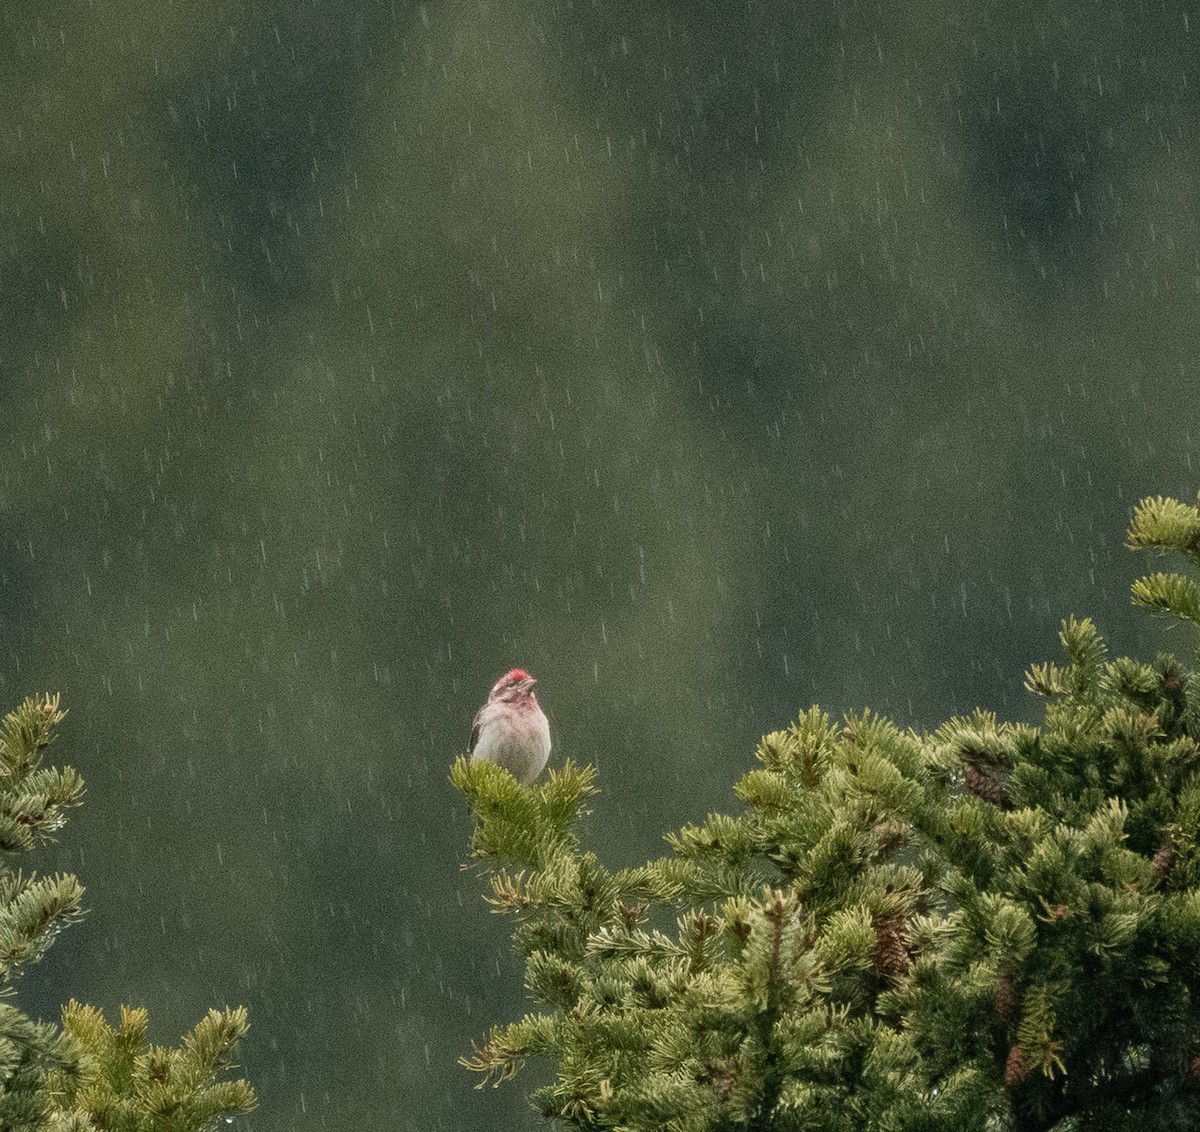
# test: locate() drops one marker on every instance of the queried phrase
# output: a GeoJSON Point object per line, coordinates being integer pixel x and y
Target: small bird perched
{"type": "Point", "coordinates": [511, 729]}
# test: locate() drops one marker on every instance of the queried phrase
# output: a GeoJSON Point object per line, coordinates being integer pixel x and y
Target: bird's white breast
{"type": "Point", "coordinates": [518, 741]}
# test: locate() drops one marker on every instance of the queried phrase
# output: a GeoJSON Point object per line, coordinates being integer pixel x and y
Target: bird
{"type": "Point", "coordinates": [511, 729]}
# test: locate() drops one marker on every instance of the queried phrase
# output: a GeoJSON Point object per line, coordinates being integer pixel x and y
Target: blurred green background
{"type": "Point", "coordinates": [707, 358]}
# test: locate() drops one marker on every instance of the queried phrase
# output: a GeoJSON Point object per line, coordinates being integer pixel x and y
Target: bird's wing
{"type": "Point", "coordinates": [475, 725]}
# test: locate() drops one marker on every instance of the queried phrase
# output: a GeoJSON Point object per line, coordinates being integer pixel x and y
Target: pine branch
{"type": "Point", "coordinates": [126, 1085]}
{"type": "Point", "coordinates": [1166, 524]}
{"type": "Point", "coordinates": [988, 926]}
{"type": "Point", "coordinates": [1169, 593]}
{"type": "Point", "coordinates": [86, 1076]}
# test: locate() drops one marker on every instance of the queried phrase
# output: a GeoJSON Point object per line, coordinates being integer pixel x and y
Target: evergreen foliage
{"type": "Point", "coordinates": [989, 926]}
{"type": "Point", "coordinates": [85, 1076]}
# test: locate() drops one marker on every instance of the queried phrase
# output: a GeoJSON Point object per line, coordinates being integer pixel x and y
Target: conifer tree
{"type": "Point", "coordinates": [85, 1076]}
{"type": "Point", "coordinates": [987, 926]}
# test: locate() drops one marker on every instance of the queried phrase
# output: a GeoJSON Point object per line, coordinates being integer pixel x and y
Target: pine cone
{"type": "Point", "coordinates": [722, 1075]}
{"type": "Point", "coordinates": [891, 835]}
{"type": "Point", "coordinates": [1004, 996]}
{"type": "Point", "coordinates": [893, 956]}
{"type": "Point", "coordinates": [1016, 1068]}
{"type": "Point", "coordinates": [1161, 863]}
{"type": "Point", "coordinates": [984, 782]}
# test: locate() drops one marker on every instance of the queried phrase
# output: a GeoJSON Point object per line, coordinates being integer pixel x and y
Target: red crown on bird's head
{"type": "Point", "coordinates": [514, 679]}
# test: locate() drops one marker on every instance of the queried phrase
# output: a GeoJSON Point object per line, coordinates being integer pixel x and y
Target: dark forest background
{"type": "Point", "coordinates": [707, 358]}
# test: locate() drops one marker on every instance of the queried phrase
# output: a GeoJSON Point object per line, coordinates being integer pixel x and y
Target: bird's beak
{"type": "Point", "coordinates": [528, 684]}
